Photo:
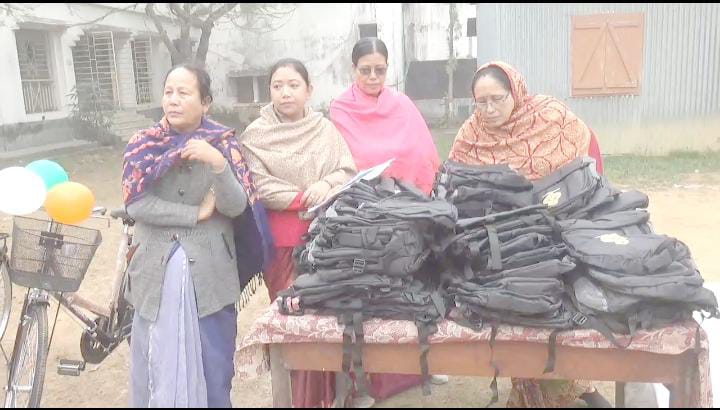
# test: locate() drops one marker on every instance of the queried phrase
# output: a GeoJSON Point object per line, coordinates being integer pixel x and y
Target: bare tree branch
{"type": "Point", "coordinates": [14, 9]}
{"type": "Point", "coordinates": [150, 11]}
{"type": "Point", "coordinates": [113, 11]}
{"type": "Point", "coordinates": [189, 18]}
{"type": "Point", "coordinates": [220, 12]}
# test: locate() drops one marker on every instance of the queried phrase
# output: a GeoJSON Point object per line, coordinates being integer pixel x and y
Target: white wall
{"type": "Point", "coordinates": [319, 35]}
{"type": "Point", "coordinates": [430, 22]}
{"type": "Point", "coordinates": [13, 106]}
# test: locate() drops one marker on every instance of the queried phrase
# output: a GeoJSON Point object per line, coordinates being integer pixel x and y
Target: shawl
{"type": "Point", "coordinates": [286, 158]}
{"type": "Point", "coordinates": [389, 126]}
{"type": "Point", "coordinates": [540, 136]}
{"type": "Point", "coordinates": [153, 151]}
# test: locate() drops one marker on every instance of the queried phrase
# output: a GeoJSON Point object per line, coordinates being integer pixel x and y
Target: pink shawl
{"type": "Point", "coordinates": [389, 126]}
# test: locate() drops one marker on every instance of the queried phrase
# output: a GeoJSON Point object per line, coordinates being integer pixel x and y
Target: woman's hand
{"type": "Point", "coordinates": [200, 150]}
{"type": "Point", "coordinates": [293, 304]}
{"type": "Point", "coordinates": [315, 194]}
{"type": "Point", "coordinates": [207, 206]}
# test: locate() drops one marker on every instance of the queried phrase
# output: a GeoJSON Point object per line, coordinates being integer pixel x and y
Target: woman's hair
{"type": "Point", "coordinates": [493, 72]}
{"type": "Point", "coordinates": [295, 64]}
{"type": "Point", "coordinates": [203, 78]}
{"type": "Point", "coordinates": [368, 45]}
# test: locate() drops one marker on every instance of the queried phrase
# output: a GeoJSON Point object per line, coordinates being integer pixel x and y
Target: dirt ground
{"type": "Point", "coordinates": [688, 211]}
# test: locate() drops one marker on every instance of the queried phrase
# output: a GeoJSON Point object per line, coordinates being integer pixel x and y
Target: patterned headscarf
{"type": "Point", "coordinates": [540, 136]}
{"type": "Point", "coordinates": [151, 152]}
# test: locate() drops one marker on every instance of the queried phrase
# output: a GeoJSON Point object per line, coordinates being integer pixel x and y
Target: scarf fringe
{"type": "Point", "coordinates": [250, 289]}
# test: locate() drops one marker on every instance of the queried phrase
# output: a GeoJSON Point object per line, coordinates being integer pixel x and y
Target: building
{"type": "Point", "coordinates": [322, 36]}
{"type": "Point", "coordinates": [645, 77]}
{"type": "Point", "coordinates": [50, 51]}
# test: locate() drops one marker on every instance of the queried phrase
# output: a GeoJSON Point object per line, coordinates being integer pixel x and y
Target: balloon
{"type": "Point", "coordinates": [21, 191]}
{"type": "Point", "coordinates": [69, 203]}
{"type": "Point", "coordinates": [51, 172]}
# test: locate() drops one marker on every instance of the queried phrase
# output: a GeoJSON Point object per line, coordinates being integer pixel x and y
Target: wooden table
{"type": "Point", "coordinates": [514, 359]}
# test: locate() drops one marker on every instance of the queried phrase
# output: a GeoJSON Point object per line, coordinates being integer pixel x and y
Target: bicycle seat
{"type": "Point", "coordinates": [4, 235]}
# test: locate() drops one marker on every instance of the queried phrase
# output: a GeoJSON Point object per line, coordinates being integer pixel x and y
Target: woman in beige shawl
{"type": "Point", "coordinates": [297, 158]}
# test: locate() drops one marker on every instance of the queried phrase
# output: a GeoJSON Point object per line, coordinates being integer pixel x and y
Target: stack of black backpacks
{"type": "Point", "coordinates": [628, 277]}
{"type": "Point", "coordinates": [368, 256]}
{"type": "Point", "coordinates": [597, 263]}
{"type": "Point", "coordinates": [506, 261]}
{"type": "Point", "coordinates": [563, 252]}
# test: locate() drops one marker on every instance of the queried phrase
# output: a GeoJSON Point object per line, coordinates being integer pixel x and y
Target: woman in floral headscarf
{"type": "Point", "coordinates": [534, 135]}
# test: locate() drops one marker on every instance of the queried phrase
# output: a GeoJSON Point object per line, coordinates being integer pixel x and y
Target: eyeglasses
{"type": "Point", "coordinates": [494, 99]}
{"type": "Point", "coordinates": [379, 70]}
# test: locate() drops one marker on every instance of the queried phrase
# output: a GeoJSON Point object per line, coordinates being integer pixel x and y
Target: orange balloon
{"type": "Point", "coordinates": [69, 203]}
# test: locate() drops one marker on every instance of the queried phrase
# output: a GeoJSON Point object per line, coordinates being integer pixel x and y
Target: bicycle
{"type": "Point", "coordinates": [51, 259]}
{"type": "Point", "coordinates": [5, 286]}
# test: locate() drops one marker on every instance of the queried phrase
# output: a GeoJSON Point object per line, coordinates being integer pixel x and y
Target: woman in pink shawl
{"type": "Point", "coordinates": [379, 123]}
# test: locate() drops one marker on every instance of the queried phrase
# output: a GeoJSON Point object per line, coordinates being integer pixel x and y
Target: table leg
{"type": "Point", "coordinates": [281, 391]}
{"type": "Point", "coordinates": [680, 391]}
{"type": "Point", "coordinates": [619, 395]}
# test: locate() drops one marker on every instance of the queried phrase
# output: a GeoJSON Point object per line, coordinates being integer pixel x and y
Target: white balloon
{"type": "Point", "coordinates": [21, 191]}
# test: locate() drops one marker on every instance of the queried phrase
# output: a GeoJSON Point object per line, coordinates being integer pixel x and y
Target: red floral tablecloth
{"type": "Point", "coordinates": [252, 359]}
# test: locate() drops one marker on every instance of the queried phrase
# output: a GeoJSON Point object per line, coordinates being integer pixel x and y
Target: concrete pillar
{"type": "Point", "coordinates": [14, 110]}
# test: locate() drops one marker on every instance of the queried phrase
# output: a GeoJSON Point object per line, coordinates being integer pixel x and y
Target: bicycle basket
{"type": "Point", "coordinates": [51, 257]}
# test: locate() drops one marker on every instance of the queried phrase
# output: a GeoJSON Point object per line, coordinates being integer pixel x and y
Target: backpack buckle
{"type": "Point", "coordinates": [359, 266]}
{"type": "Point", "coordinates": [579, 319]}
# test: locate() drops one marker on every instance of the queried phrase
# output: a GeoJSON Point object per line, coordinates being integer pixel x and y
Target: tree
{"type": "Point", "coordinates": [259, 17]}
{"type": "Point", "coordinates": [11, 11]}
{"type": "Point", "coordinates": [453, 34]}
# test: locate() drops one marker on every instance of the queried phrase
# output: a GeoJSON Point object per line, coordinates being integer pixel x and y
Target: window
{"type": "Point", "coordinates": [607, 54]}
{"type": "Point", "coordinates": [251, 88]}
{"type": "Point", "coordinates": [35, 71]}
{"type": "Point", "coordinates": [367, 30]}
{"type": "Point", "coordinates": [472, 27]}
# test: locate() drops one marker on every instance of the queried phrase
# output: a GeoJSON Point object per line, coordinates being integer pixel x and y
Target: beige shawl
{"type": "Point", "coordinates": [286, 158]}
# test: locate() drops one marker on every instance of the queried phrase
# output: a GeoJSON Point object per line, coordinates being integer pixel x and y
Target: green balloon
{"type": "Point", "coordinates": [50, 172]}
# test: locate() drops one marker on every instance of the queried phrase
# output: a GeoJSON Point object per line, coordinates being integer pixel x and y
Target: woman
{"type": "Point", "coordinates": [380, 123]}
{"type": "Point", "coordinates": [297, 158]}
{"type": "Point", "coordinates": [534, 135]}
{"type": "Point", "coordinates": [186, 185]}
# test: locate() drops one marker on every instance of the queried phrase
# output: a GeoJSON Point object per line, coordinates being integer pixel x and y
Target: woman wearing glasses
{"type": "Point", "coordinates": [535, 135]}
{"type": "Point", "coordinates": [380, 123]}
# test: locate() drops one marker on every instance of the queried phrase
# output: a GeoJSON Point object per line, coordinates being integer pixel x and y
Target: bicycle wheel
{"type": "Point", "coordinates": [27, 368]}
{"type": "Point", "coordinates": [5, 298]}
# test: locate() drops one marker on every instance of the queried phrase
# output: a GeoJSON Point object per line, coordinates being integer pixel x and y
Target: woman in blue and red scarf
{"type": "Point", "coordinates": [201, 238]}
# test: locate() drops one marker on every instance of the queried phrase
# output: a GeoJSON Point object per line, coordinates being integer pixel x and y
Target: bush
{"type": "Point", "coordinates": [91, 115]}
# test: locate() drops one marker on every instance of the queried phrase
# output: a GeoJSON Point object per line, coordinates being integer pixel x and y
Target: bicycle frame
{"type": "Point", "coordinates": [73, 302]}
{"type": "Point", "coordinates": [35, 304]}
{"type": "Point", "coordinates": [116, 331]}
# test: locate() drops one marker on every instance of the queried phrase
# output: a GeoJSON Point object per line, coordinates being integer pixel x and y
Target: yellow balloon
{"type": "Point", "coordinates": [69, 203]}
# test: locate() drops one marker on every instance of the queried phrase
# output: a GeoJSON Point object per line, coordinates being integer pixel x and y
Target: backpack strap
{"type": "Point", "coordinates": [425, 327]}
{"type": "Point", "coordinates": [347, 320]}
{"type": "Point", "coordinates": [360, 380]}
{"type": "Point", "coordinates": [493, 385]}
{"type": "Point", "coordinates": [495, 257]}
{"type": "Point", "coordinates": [552, 342]}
